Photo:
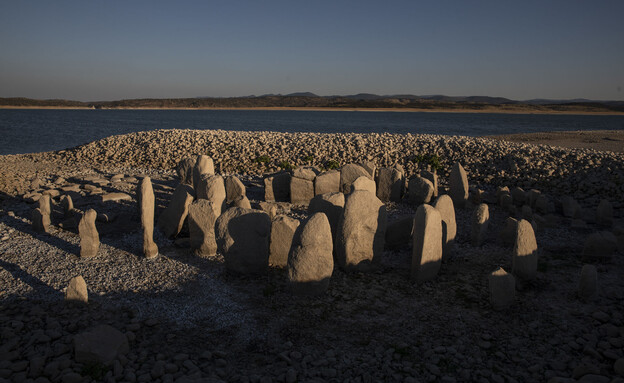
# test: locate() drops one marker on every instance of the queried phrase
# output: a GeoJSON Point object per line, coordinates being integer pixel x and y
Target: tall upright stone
{"type": "Point", "coordinates": [364, 183]}
{"type": "Point", "coordinates": [243, 238]}
{"type": "Point", "coordinates": [332, 205]}
{"type": "Point", "coordinates": [283, 229]}
{"type": "Point", "coordinates": [427, 244]}
{"type": "Point", "coordinates": [327, 182]}
{"type": "Point", "coordinates": [234, 188]}
{"type": "Point", "coordinates": [301, 191]}
{"type": "Point", "coordinates": [419, 191]}
{"type": "Point", "coordinates": [76, 291]}
{"type": "Point", "coordinates": [432, 176]}
{"type": "Point", "coordinates": [524, 256]}
{"type": "Point", "coordinates": [390, 184]}
{"type": "Point", "coordinates": [147, 206]}
{"type": "Point", "coordinates": [89, 237]}
{"type": "Point", "coordinates": [277, 187]}
{"type": "Point", "coordinates": [444, 205]}
{"type": "Point", "coordinates": [212, 188]}
{"type": "Point", "coordinates": [604, 213]}
{"type": "Point", "coordinates": [588, 283]}
{"type": "Point", "coordinates": [172, 218]}
{"type": "Point", "coordinates": [45, 204]}
{"type": "Point", "coordinates": [310, 261]}
{"type": "Point", "coordinates": [480, 222]}
{"type": "Point", "coordinates": [184, 168]}
{"type": "Point", "coordinates": [350, 173]}
{"type": "Point", "coordinates": [458, 185]}
{"type": "Point", "coordinates": [502, 289]}
{"type": "Point", "coordinates": [361, 232]}
{"type": "Point", "coordinates": [201, 221]}
{"type": "Point", "coordinates": [40, 221]}
{"type": "Point", "coordinates": [68, 205]}
{"type": "Point", "coordinates": [203, 165]}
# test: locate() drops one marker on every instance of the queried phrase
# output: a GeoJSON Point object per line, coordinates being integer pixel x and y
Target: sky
{"type": "Point", "coordinates": [110, 50]}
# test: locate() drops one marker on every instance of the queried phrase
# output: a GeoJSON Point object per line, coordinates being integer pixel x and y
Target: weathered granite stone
{"type": "Point", "coordinates": [277, 187]}
{"type": "Point", "coordinates": [600, 245]}
{"type": "Point", "coordinates": [327, 182]}
{"type": "Point", "coordinates": [305, 172]}
{"type": "Point", "coordinates": [172, 218]}
{"type": "Point", "coordinates": [524, 256]}
{"type": "Point", "coordinates": [101, 345]}
{"type": "Point", "coordinates": [68, 206]}
{"type": "Point", "coordinates": [89, 237]}
{"type": "Point", "coordinates": [234, 189]}
{"type": "Point", "coordinates": [40, 221]}
{"type": "Point", "coordinates": [201, 221]}
{"type": "Point", "coordinates": [310, 261]}
{"type": "Point", "coordinates": [458, 185]}
{"type": "Point", "coordinates": [243, 238]}
{"type": "Point", "coordinates": [390, 184]}
{"type": "Point", "coordinates": [241, 201]}
{"type": "Point", "coordinates": [571, 208]}
{"type": "Point", "coordinates": [282, 231]}
{"type": "Point", "coordinates": [364, 183]}
{"type": "Point", "coordinates": [203, 165]}
{"type": "Point", "coordinates": [419, 191]}
{"type": "Point", "coordinates": [399, 232]}
{"type": "Point", "coordinates": [604, 213]}
{"type": "Point", "coordinates": [76, 291]}
{"type": "Point", "coordinates": [332, 205]}
{"type": "Point", "coordinates": [350, 173]}
{"type": "Point", "coordinates": [588, 283]}
{"type": "Point", "coordinates": [480, 223]}
{"type": "Point", "coordinates": [45, 204]}
{"type": "Point", "coordinates": [518, 196]}
{"type": "Point", "coordinates": [147, 206]}
{"type": "Point", "coordinates": [427, 244]}
{"type": "Point", "coordinates": [542, 204]}
{"type": "Point", "coordinates": [506, 202]}
{"type": "Point", "coordinates": [433, 178]}
{"type": "Point", "coordinates": [301, 191]}
{"type": "Point", "coordinates": [532, 196]}
{"type": "Point", "coordinates": [114, 197]}
{"type": "Point", "coordinates": [184, 168]}
{"type": "Point", "coordinates": [370, 167]}
{"type": "Point", "coordinates": [212, 188]}
{"type": "Point", "coordinates": [444, 205]}
{"type": "Point", "coordinates": [508, 233]}
{"type": "Point", "coordinates": [502, 289]}
{"type": "Point", "coordinates": [361, 232]}
{"type": "Point", "coordinates": [527, 213]}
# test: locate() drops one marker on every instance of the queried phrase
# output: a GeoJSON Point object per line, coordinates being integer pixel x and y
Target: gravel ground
{"type": "Point", "coordinates": [187, 320]}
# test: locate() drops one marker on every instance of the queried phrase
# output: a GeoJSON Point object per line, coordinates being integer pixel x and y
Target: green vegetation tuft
{"type": "Point", "coordinates": [332, 164]}
{"type": "Point", "coordinates": [264, 159]}
{"type": "Point", "coordinates": [286, 165]}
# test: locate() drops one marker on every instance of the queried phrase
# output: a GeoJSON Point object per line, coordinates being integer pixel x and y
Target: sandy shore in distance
{"type": "Point", "coordinates": [603, 140]}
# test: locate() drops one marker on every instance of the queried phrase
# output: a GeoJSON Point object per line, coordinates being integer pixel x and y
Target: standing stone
{"type": "Point", "coordinates": [361, 232]}
{"type": "Point", "coordinates": [480, 222]}
{"type": "Point", "coordinates": [201, 221]}
{"type": "Point", "coordinates": [350, 173]}
{"type": "Point", "coordinates": [588, 285]}
{"type": "Point", "coordinates": [419, 191]}
{"type": "Point", "coordinates": [77, 290]}
{"type": "Point", "coordinates": [212, 188]}
{"type": "Point", "coordinates": [242, 201]}
{"type": "Point", "coordinates": [390, 184]}
{"type": "Point", "coordinates": [147, 206]}
{"type": "Point", "coordinates": [301, 191]}
{"type": "Point", "coordinates": [234, 188]}
{"type": "Point", "coordinates": [277, 187]}
{"type": "Point", "coordinates": [327, 182]}
{"type": "Point", "coordinates": [444, 205]}
{"type": "Point", "coordinates": [45, 204]}
{"type": "Point", "coordinates": [184, 168]}
{"type": "Point", "coordinates": [524, 256]}
{"type": "Point", "coordinates": [364, 183]}
{"type": "Point", "coordinates": [532, 196]}
{"type": "Point", "coordinates": [458, 185]}
{"type": "Point", "coordinates": [332, 205]}
{"type": "Point", "coordinates": [172, 218]}
{"type": "Point", "coordinates": [600, 245]}
{"type": "Point", "coordinates": [305, 172]}
{"type": "Point", "coordinates": [542, 204]}
{"type": "Point", "coordinates": [283, 229]}
{"type": "Point", "coordinates": [243, 238]}
{"type": "Point", "coordinates": [40, 221]}
{"type": "Point", "coordinates": [604, 213]}
{"type": "Point", "coordinates": [427, 244]}
{"type": "Point", "coordinates": [433, 178]}
{"type": "Point", "coordinates": [571, 208]}
{"type": "Point", "coordinates": [399, 232]}
{"type": "Point", "coordinates": [310, 261]}
{"type": "Point", "coordinates": [68, 206]}
{"type": "Point", "coordinates": [203, 165]}
{"type": "Point", "coordinates": [518, 196]}
{"type": "Point", "coordinates": [370, 167]}
{"type": "Point", "coordinates": [509, 231]}
{"type": "Point", "coordinates": [502, 289]}
{"type": "Point", "coordinates": [89, 237]}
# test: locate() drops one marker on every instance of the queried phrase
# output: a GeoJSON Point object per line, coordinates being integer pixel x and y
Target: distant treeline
{"type": "Point", "coordinates": [318, 102]}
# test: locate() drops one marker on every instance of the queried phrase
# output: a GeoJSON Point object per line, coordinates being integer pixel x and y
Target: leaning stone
{"type": "Point", "coordinates": [40, 221]}
{"type": "Point", "coordinates": [172, 218]}
{"type": "Point", "coordinates": [147, 206]}
{"type": "Point", "coordinates": [350, 173]}
{"type": "Point", "coordinates": [480, 222]}
{"type": "Point", "coordinates": [433, 178]}
{"type": "Point", "coordinates": [328, 182]}
{"type": "Point", "coordinates": [444, 205]}
{"type": "Point", "coordinates": [332, 205]}
{"type": "Point", "coordinates": [502, 289]}
{"type": "Point", "coordinates": [419, 191]}
{"type": "Point", "coordinates": [588, 282]}
{"type": "Point", "coordinates": [600, 245]}
{"type": "Point", "coordinates": [282, 231]}
{"type": "Point", "coordinates": [524, 256]}
{"type": "Point", "coordinates": [305, 172]}
{"type": "Point", "coordinates": [509, 231]}
{"type": "Point", "coordinates": [89, 237]}
{"type": "Point", "coordinates": [234, 188]}
{"type": "Point", "coordinates": [77, 290]}
{"type": "Point", "coordinates": [518, 196]}
{"type": "Point", "coordinates": [203, 165]}
{"type": "Point", "coordinates": [604, 213]}
{"type": "Point", "coordinates": [241, 201]}
{"type": "Point", "coordinates": [427, 244]}
{"type": "Point", "coordinates": [243, 239]}
{"type": "Point", "coordinates": [361, 232]}
{"type": "Point", "coordinates": [364, 183]}
{"type": "Point", "coordinates": [45, 204]}
{"type": "Point", "coordinates": [310, 261]}
{"type": "Point", "coordinates": [458, 185]}
{"type": "Point", "coordinates": [100, 345]}
{"type": "Point", "coordinates": [184, 168]}
{"type": "Point", "coordinates": [277, 187]}
{"type": "Point", "coordinates": [390, 184]}
{"type": "Point", "coordinates": [301, 191]}
{"type": "Point", "coordinates": [399, 232]}
{"type": "Point", "coordinates": [201, 221]}
{"type": "Point", "coordinates": [212, 188]}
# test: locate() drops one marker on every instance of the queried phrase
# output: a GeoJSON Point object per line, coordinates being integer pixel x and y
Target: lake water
{"type": "Point", "coordinates": [28, 131]}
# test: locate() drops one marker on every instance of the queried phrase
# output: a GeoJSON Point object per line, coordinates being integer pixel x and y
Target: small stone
{"type": "Point", "coordinates": [305, 172]}
{"type": "Point", "coordinates": [241, 201]}
{"type": "Point", "coordinates": [89, 237]}
{"type": "Point", "coordinates": [502, 289]}
{"type": "Point", "coordinates": [77, 290]}
{"type": "Point", "coordinates": [116, 197]}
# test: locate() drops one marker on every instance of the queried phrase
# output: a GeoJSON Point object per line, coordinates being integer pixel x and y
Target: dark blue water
{"type": "Point", "coordinates": [27, 131]}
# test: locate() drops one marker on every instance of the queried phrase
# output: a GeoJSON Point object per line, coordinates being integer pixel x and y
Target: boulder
{"type": "Point", "coordinates": [327, 182]}
{"type": "Point", "coordinates": [542, 204]}
{"type": "Point", "coordinates": [301, 191]}
{"type": "Point", "coordinates": [243, 238]}
{"type": "Point", "coordinates": [203, 165]}
{"type": "Point", "coordinates": [364, 183]}
{"type": "Point", "coordinates": [305, 172]}
{"type": "Point", "coordinates": [76, 291]}
{"type": "Point", "coordinates": [433, 178]}
{"type": "Point", "coordinates": [100, 345]}
{"type": "Point", "coordinates": [332, 205]}
{"type": "Point", "coordinates": [480, 221]}
{"type": "Point", "coordinates": [502, 289]}
{"type": "Point", "coordinates": [508, 233]}
{"type": "Point", "coordinates": [399, 232]}
{"type": "Point", "coordinates": [212, 188]}
{"type": "Point", "coordinates": [277, 187]}
{"type": "Point", "coordinates": [518, 196]}
{"type": "Point", "coordinates": [570, 207]}
{"type": "Point", "coordinates": [444, 205]}
{"type": "Point", "coordinates": [524, 256]}
{"type": "Point", "coordinates": [310, 261]}
{"type": "Point", "coordinates": [370, 167]}
{"type": "Point", "coordinates": [40, 221]}
{"type": "Point", "coordinates": [390, 184]}
{"type": "Point", "coordinates": [201, 221]}
{"type": "Point", "coordinates": [184, 168]}
{"type": "Point", "coordinates": [350, 173]}
{"type": "Point", "coordinates": [588, 283]}
{"type": "Point", "coordinates": [68, 206]}
{"type": "Point", "coordinates": [419, 191]}
{"type": "Point", "coordinates": [600, 245]}
{"type": "Point", "coordinates": [532, 196]}
{"type": "Point", "coordinates": [427, 244]}
{"type": "Point", "coordinates": [89, 237]}
{"type": "Point", "coordinates": [361, 232]}
{"type": "Point", "coordinates": [234, 189]}
{"type": "Point", "coordinates": [604, 213]}
{"type": "Point", "coordinates": [147, 206]}
{"type": "Point", "coordinates": [241, 201]}
{"type": "Point", "coordinates": [172, 218]}
{"type": "Point", "coordinates": [282, 231]}
{"type": "Point", "coordinates": [458, 185]}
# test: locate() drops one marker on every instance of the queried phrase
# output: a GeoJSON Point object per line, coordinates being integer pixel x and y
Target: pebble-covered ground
{"type": "Point", "coordinates": [188, 321]}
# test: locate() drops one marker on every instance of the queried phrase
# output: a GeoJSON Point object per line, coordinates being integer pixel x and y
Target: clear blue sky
{"type": "Point", "coordinates": [105, 50]}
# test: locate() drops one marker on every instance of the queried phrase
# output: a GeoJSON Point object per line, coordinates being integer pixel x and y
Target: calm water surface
{"type": "Point", "coordinates": [27, 131]}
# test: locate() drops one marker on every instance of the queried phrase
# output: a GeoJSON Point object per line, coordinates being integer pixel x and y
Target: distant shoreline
{"type": "Point", "coordinates": [345, 109]}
